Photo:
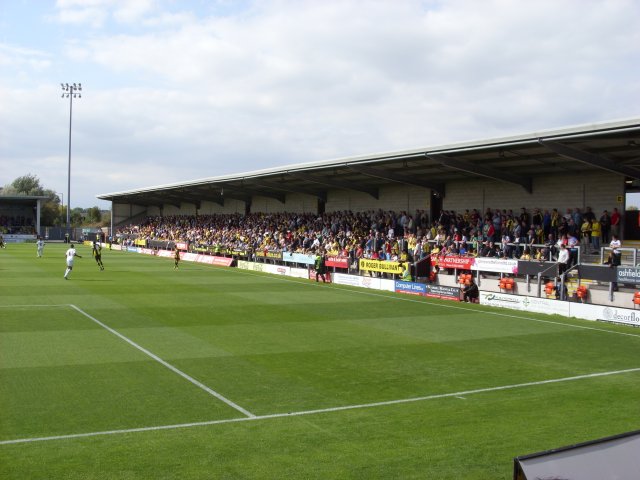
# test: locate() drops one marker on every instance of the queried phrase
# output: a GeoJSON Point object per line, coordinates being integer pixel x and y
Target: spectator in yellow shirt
{"type": "Point", "coordinates": [596, 232]}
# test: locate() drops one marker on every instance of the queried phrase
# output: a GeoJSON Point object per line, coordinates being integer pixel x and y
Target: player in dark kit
{"type": "Point", "coordinates": [176, 257]}
{"type": "Point", "coordinates": [97, 254]}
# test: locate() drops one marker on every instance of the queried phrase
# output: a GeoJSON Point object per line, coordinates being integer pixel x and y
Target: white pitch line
{"type": "Point", "coordinates": [166, 364]}
{"type": "Point", "coordinates": [30, 306]}
{"type": "Point", "coordinates": [320, 410]}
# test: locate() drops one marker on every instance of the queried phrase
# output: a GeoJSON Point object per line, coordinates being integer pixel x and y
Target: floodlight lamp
{"type": "Point", "coordinates": [79, 95]}
{"type": "Point", "coordinates": [62, 94]}
{"type": "Point", "coordinates": [79, 86]}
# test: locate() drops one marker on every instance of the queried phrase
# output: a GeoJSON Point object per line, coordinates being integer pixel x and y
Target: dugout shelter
{"type": "Point", "coordinates": [594, 165]}
{"type": "Point", "coordinates": [20, 215]}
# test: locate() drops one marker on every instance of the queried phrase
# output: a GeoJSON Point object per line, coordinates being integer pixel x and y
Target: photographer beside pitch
{"type": "Point", "coordinates": [471, 293]}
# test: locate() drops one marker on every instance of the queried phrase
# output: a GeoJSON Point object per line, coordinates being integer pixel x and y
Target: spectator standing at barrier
{"type": "Point", "coordinates": [546, 223]}
{"type": "Point", "coordinates": [589, 215]}
{"type": "Point", "coordinates": [596, 231]}
{"type": "Point", "coordinates": [524, 216]}
{"type": "Point", "coordinates": [555, 222]}
{"type": "Point", "coordinates": [505, 248]}
{"type": "Point", "coordinates": [572, 228]}
{"type": "Point", "coordinates": [563, 259]}
{"type": "Point", "coordinates": [488, 250]}
{"type": "Point", "coordinates": [615, 257]}
{"type": "Point", "coordinates": [536, 218]}
{"type": "Point", "coordinates": [577, 217]}
{"type": "Point", "coordinates": [320, 266]}
{"type": "Point", "coordinates": [605, 226]}
{"type": "Point", "coordinates": [615, 243]}
{"type": "Point", "coordinates": [470, 292]}
{"type": "Point", "coordinates": [573, 245]}
{"type": "Point", "coordinates": [549, 250]}
{"type": "Point", "coordinates": [615, 223]}
{"type": "Point", "coordinates": [585, 230]}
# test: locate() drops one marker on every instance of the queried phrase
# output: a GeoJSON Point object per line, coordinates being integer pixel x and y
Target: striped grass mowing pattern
{"type": "Point", "coordinates": [270, 346]}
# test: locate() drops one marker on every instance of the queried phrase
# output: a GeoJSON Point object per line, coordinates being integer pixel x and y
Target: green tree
{"type": "Point", "coordinates": [77, 217]}
{"type": "Point", "coordinates": [27, 185]}
{"type": "Point", "coordinates": [94, 215]}
{"type": "Point", "coordinates": [51, 212]}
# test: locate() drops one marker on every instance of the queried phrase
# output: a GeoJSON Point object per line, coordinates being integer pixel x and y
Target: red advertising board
{"type": "Point", "coordinates": [452, 261]}
{"type": "Point", "coordinates": [338, 262]}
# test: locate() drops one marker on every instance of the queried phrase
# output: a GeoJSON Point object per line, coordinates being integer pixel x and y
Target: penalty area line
{"type": "Point", "coordinates": [321, 410]}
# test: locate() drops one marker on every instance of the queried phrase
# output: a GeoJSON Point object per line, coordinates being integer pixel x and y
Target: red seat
{"type": "Point", "coordinates": [549, 288]}
{"type": "Point", "coordinates": [582, 292]}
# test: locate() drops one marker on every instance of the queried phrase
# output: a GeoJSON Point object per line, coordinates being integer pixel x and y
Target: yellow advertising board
{"type": "Point", "coordinates": [380, 266]}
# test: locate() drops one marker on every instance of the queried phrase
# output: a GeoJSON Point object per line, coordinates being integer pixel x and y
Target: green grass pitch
{"type": "Point", "coordinates": [146, 372]}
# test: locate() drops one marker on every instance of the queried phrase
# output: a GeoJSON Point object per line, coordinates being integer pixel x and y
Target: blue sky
{"type": "Point", "coordinates": [180, 90]}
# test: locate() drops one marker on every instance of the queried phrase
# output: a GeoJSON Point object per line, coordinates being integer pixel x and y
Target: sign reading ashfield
{"type": "Point", "coordinates": [628, 275]}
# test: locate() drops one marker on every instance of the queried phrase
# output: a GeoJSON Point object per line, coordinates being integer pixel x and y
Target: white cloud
{"type": "Point", "coordinates": [96, 12]}
{"type": "Point", "coordinates": [18, 59]}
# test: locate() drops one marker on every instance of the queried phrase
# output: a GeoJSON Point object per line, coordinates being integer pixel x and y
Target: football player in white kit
{"type": "Point", "coordinates": [70, 254]}
{"type": "Point", "coordinates": [40, 245]}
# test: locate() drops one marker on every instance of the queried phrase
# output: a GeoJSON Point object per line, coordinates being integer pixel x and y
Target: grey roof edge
{"type": "Point", "coordinates": [25, 197]}
{"type": "Point", "coordinates": [564, 132]}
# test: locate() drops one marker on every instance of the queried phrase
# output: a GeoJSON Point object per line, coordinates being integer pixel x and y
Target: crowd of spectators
{"type": "Point", "coordinates": [17, 224]}
{"type": "Point", "coordinates": [389, 235]}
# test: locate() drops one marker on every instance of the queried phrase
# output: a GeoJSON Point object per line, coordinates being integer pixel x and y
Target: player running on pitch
{"type": "Point", "coordinates": [70, 254]}
{"type": "Point", "coordinates": [97, 254]}
{"type": "Point", "coordinates": [40, 245]}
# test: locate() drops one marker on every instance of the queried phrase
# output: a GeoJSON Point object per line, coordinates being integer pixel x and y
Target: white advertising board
{"type": "Point", "coordinates": [357, 281]}
{"type": "Point", "coordinates": [388, 285]}
{"type": "Point", "coordinates": [500, 265]}
{"type": "Point", "coordinates": [264, 267]}
{"type": "Point", "coordinates": [606, 313]}
{"type": "Point", "coordinates": [525, 304]}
